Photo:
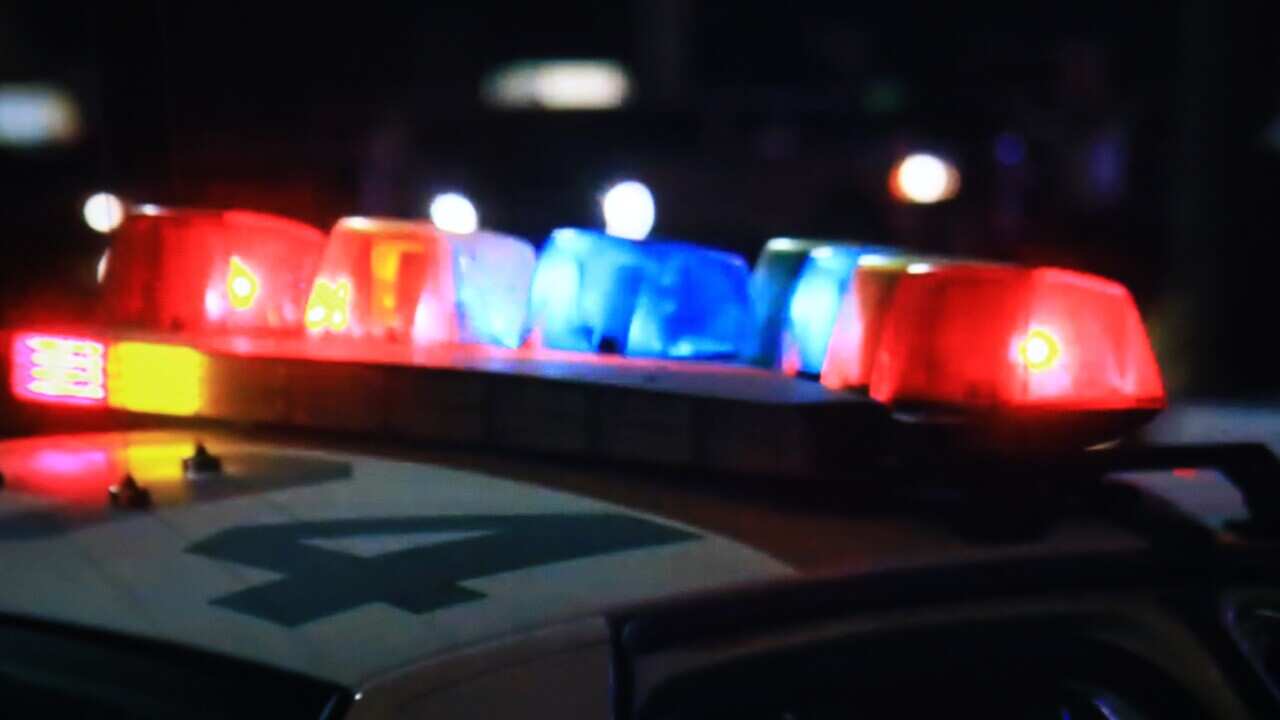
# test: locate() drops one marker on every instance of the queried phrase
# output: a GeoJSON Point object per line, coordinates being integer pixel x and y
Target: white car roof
{"type": "Point", "coordinates": [344, 567]}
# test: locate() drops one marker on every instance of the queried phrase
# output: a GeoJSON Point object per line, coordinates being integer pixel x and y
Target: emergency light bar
{"type": "Point", "coordinates": [395, 279]}
{"type": "Point", "coordinates": [597, 292]}
{"type": "Point", "coordinates": [405, 298]}
{"type": "Point", "coordinates": [199, 270]}
{"type": "Point", "coordinates": [998, 337]}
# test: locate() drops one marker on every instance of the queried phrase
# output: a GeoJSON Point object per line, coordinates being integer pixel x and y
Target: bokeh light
{"type": "Point", "coordinates": [103, 212]}
{"type": "Point", "coordinates": [629, 210]}
{"type": "Point", "coordinates": [454, 212]}
{"type": "Point", "coordinates": [924, 178]}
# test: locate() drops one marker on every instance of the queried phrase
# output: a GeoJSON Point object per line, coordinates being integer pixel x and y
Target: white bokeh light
{"type": "Point", "coordinates": [924, 178]}
{"type": "Point", "coordinates": [454, 212]}
{"type": "Point", "coordinates": [629, 210]}
{"type": "Point", "coordinates": [103, 212]}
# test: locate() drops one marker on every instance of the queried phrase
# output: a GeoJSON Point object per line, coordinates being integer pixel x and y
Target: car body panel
{"type": "Point", "coordinates": [306, 569]}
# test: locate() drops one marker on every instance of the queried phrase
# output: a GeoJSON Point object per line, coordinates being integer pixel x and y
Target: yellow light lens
{"type": "Point", "coordinates": [1039, 350]}
{"type": "Point", "coordinates": [242, 284]}
{"type": "Point", "coordinates": [153, 378]}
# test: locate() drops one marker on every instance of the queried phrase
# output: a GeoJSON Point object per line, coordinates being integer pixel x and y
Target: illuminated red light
{"type": "Point", "coordinates": [978, 336]}
{"type": "Point", "coordinates": [58, 369]}
{"type": "Point", "coordinates": [855, 337]}
{"type": "Point", "coordinates": [191, 270]}
{"type": "Point", "coordinates": [386, 278]}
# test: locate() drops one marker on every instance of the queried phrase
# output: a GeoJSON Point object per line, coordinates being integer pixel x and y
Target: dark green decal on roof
{"type": "Point", "coordinates": [320, 581]}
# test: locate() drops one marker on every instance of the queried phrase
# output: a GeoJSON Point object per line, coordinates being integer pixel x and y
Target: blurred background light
{"type": "Point", "coordinates": [924, 178]}
{"type": "Point", "coordinates": [629, 210]}
{"type": "Point", "coordinates": [103, 212]}
{"type": "Point", "coordinates": [1010, 149]}
{"type": "Point", "coordinates": [558, 85]}
{"type": "Point", "coordinates": [454, 212]}
{"type": "Point", "coordinates": [33, 115]}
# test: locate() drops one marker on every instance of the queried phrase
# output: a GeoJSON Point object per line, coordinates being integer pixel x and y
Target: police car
{"type": "Point", "coordinates": [399, 473]}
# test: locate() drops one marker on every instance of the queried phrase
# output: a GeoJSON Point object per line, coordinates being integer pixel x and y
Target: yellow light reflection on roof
{"type": "Point", "coordinates": [157, 466]}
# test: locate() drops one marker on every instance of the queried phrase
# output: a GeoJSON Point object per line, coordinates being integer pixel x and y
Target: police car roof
{"type": "Point", "coordinates": [348, 566]}
{"type": "Point", "coordinates": [340, 566]}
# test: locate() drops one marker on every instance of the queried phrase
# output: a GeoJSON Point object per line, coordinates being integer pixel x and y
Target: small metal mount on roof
{"type": "Point", "coordinates": [201, 464]}
{"type": "Point", "coordinates": [129, 494]}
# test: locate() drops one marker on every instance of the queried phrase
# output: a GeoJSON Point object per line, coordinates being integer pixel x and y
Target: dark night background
{"type": "Point", "coordinates": [750, 120]}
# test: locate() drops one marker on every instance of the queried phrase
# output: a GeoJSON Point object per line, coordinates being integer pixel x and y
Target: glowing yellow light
{"type": "Point", "coordinates": [329, 305]}
{"type": "Point", "coordinates": [242, 284]}
{"type": "Point", "coordinates": [384, 265]}
{"type": "Point", "coordinates": [153, 378]}
{"type": "Point", "coordinates": [1039, 350]}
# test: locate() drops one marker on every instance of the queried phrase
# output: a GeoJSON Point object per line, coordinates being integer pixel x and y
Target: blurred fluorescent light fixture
{"type": "Point", "coordinates": [629, 210]}
{"type": "Point", "coordinates": [558, 85]}
{"type": "Point", "coordinates": [924, 179]}
{"type": "Point", "coordinates": [103, 212]}
{"type": "Point", "coordinates": [454, 212]}
{"type": "Point", "coordinates": [33, 115]}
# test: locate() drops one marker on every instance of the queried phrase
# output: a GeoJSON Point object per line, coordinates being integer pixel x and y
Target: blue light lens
{"type": "Point", "coordinates": [492, 274]}
{"type": "Point", "coordinates": [772, 282]}
{"type": "Point", "coordinates": [596, 292]}
{"type": "Point", "coordinates": [815, 301]}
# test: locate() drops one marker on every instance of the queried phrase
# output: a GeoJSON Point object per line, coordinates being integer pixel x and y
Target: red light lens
{"type": "Point", "coordinates": [991, 336]}
{"type": "Point", "coordinates": [855, 337]}
{"type": "Point", "coordinates": [194, 269]}
{"type": "Point", "coordinates": [386, 278]}
{"type": "Point", "coordinates": [58, 369]}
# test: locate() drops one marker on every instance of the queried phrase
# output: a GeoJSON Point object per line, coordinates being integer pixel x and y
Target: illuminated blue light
{"type": "Point", "coordinates": [815, 301]}
{"type": "Point", "coordinates": [772, 281]}
{"type": "Point", "coordinates": [597, 292]}
{"type": "Point", "coordinates": [492, 274]}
